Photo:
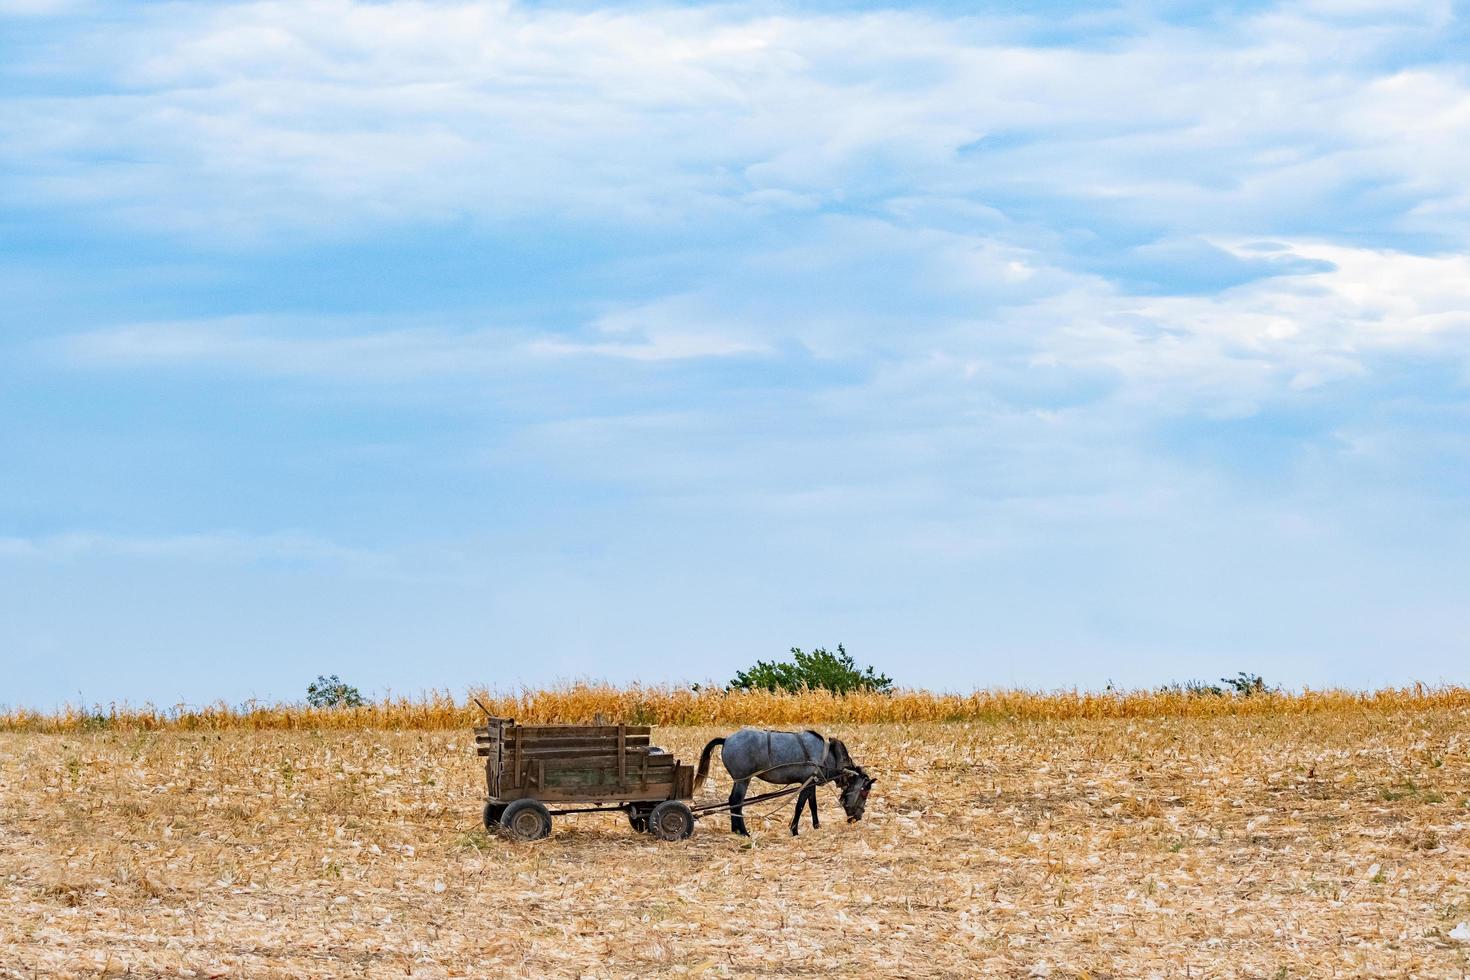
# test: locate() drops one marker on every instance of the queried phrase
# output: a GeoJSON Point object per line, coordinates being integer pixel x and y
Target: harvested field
{"type": "Point", "coordinates": [1326, 844]}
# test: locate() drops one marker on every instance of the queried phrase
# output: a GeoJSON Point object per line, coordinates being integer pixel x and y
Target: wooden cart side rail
{"type": "Point", "coordinates": [574, 731]}
{"type": "Point", "coordinates": [655, 793]}
{"type": "Point", "coordinates": [604, 769]}
{"type": "Point", "coordinates": [583, 759]}
{"type": "Point", "coordinates": [539, 745]}
{"type": "Point", "coordinates": [570, 785]}
{"type": "Point", "coordinates": [610, 743]}
{"type": "Point", "coordinates": [560, 746]}
{"type": "Point", "coordinates": [631, 741]}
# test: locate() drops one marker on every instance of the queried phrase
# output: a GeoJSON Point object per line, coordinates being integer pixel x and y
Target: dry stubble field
{"type": "Point", "coordinates": [1332, 844]}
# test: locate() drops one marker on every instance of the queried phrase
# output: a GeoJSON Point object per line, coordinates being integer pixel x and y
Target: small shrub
{"type": "Point", "coordinates": [1242, 685]}
{"type": "Point", "coordinates": [333, 692]}
{"type": "Point", "coordinates": [817, 670]}
{"type": "Point", "coordinates": [1245, 685]}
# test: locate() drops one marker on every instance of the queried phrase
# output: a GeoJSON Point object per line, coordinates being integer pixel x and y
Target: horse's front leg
{"type": "Point", "coordinates": [812, 800]}
{"type": "Point", "coordinates": [737, 813]}
{"type": "Point", "coordinates": [808, 792]}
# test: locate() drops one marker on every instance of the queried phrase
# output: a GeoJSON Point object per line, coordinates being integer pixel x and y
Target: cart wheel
{"type": "Point", "coordinates": [526, 820]}
{"type": "Point", "coordinates": [638, 817]}
{"type": "Point", "coordinates": [492, 815]}
{"type": "Point", "coordinates": [671, 820]}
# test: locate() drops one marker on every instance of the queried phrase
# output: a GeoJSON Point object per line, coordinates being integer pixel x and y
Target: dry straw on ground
{"type": "Point", "coordinates": [1333, 843]}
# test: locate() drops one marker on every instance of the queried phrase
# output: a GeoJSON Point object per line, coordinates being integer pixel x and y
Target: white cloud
{"type": "Point", "coordinates": [670, 347]}
{"type": "Point", "coordinates": [996, 320]}
{"type": "Point", "coordinates": [228, 547]}
{"type": "Point", "coordinates": [38, 8]}
{"type": "Point", "coordinates": [293, 346]}
{"type": "Point", "coordinates": [374, 349]}
{"type": "Point", "coordinates": [320, 117]}
{"type": "Point", "coordinates": [1255, 340]}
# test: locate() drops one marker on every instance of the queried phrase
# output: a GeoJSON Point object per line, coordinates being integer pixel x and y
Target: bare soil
{"type": "Point", "coordinates": [1329, 845]}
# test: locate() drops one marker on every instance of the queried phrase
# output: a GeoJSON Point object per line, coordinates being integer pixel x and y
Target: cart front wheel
{"type": "Point", "coordinates": [492, 815]}
{"type": "Point", "coordinates": [671, 820]}
{"type": "Point", "coordinates": [638, 817]}
{"type": "Point", "coordinates": [526, 820]}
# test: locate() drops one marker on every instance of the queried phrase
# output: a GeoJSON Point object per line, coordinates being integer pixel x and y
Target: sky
{"type": "Point", "coordinates": [447, 344]}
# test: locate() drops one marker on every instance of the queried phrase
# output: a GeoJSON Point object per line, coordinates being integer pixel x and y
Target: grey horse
{"type": "Point", "coordinates": [785, 758]}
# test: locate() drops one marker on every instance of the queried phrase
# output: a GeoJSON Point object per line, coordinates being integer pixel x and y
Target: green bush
{"type": "Point", "coordinates": [332, 692]}
{"type": "Point", "coordinates": [1245, 685]}
{"type": "Point", "coordinates": [1242, 685]}
{"type": "Point", "coordinates": [817, 670]}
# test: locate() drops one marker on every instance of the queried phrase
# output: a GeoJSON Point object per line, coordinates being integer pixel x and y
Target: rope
{"type": "Point", "coordinates": [766, 814]}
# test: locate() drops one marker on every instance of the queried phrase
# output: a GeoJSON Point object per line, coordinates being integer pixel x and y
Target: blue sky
{"type": "Point", "coordinates": [438, 344]}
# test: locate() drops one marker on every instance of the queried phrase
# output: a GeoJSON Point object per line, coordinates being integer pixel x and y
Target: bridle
{"type": "Point", "coordinates": [862, 794]}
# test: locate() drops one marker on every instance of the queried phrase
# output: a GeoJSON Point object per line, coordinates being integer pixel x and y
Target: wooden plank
{"type": "Point", "coordinates": [574, 731]}
{"type": "Point", "coordinates": [552, 748]}
{"type": "Point", "coordinates": [499, 750]}
{"type": "Point", "coordinates": [582, 777]}
{"type": "Point", "coordinates": [599, 774]}
{"type": "Point", "coordinates": [544, 739]}
{"type": "Point", "coordinates": [588, 752]}
{"type": "Point", "coordinates": [486, 740]}
{"type": "Point", "coordinates": [581, 755]}
{"type": "Point", "coordinates": [576, 745]}
{"type": "Point", "coordinates": [607, 794]}
{"type": "Point", "coordinates": [622, 756]}
{"type": "Point", "coordinates": [488, 743]}
{"type": "Point", "coordinates": [608, 760]}
{"type": "Point", "coordinates": [573, 744]}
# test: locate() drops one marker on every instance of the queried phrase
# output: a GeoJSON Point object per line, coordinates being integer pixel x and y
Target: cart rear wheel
{"type": "Point", "coordinates": [671, 820]}
{"type": "Point", "coordinates": [526, 820]}
{"type": "Point", "coordinates": [492, 815]}
{"type": "Point", "coordinates": [638, 816]}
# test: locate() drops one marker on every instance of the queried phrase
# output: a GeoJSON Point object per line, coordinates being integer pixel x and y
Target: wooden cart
{"type": "Point", "coordinates": [581, 769]}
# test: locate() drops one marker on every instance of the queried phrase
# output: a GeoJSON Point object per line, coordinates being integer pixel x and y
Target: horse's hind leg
{"type": "Point", "coordinates": [737, 814]}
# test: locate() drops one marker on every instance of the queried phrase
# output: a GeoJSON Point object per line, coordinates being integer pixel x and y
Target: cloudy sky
{"type": "Point", "coordinates": [440, 343]}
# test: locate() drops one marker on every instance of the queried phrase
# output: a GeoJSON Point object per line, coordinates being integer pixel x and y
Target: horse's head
{"type": "Point", "coordinates": [855, 783]}
{"type": "Point", "coordinates": [852, 778]}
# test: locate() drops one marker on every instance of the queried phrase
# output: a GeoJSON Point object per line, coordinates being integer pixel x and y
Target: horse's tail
{"type": "Point", "coordinates": [703, 773]}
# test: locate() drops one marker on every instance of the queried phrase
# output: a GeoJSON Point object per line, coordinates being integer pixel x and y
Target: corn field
{"type": "Point", "coordinates": [690, 706]}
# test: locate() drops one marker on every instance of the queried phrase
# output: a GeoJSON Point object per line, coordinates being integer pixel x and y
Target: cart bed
{"type": "Point", "coordinates": [597, 764]}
